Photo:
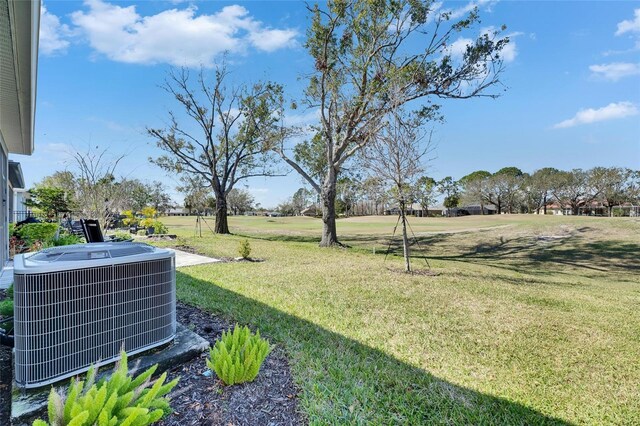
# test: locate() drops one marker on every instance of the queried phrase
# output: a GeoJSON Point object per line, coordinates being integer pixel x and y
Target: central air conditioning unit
{"type": "Point", "coordinates": [78, 305]}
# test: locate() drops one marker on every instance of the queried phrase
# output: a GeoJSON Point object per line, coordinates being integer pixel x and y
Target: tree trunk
{"type": "Point", "coordinates": [405, 239]}
{"type": "Point", "coordinates": [499, 206]}
{"type": "Point", "coordinates": [329, 231]}
{"type": "Point", "coordinates": [576, 210]}
{"type": "Point", "coordinates": [610, 207]}
{"type": "Point", "coordinates": [222, 225]}
{"type": "Point", "coordinates": [545, 204]}
{"type": "Point", "coordinates": [481, 208]}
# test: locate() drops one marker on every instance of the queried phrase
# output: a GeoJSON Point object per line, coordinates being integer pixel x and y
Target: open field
{"type": "Point", "coordinates": [531, 320]}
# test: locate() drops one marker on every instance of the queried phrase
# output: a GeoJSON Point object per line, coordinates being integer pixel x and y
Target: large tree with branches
{"type": "Point", "coordinates": [235, 130]}
{"type": "Point", "coordinates": [361, 50]}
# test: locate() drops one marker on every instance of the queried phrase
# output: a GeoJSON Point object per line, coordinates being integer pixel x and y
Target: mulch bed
{"type": "Point", "coordinates": [200, 398]}
{"type": "Point", "coordinates": [5, 378]}
{"type": "Point", "coordinates": [271, 399]}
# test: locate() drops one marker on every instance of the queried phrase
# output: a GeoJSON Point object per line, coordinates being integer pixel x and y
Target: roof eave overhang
{"type": "Point", "coordinates": [17, 110]}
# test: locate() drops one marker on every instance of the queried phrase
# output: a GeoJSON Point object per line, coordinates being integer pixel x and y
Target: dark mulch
{"type": "Point", "coordinates": [201, 400]}
{"type": "Point", "coordinates": [187, 248]}
{"type": "Point", "coordinates": [5, 379]}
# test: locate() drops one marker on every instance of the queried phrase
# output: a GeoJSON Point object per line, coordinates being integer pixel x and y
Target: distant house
{"type": "Point", "coordinates": [416, 209]}
{"type": "Point", "coordinates": [476, 209]}
{"type": "Point", "coordinates": [178, 211]}
{"type": "Point", "coordinates": [312, 211]}
{"type": "Point", "coordinates": [17, 194]}
{"type": "Point", "coordinates": [20, 23]}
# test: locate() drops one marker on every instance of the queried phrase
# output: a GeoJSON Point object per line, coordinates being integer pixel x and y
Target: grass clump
{"type": "Point", "coordinates": [244, 249]}
{"type": "Point", "coordinates": [237, 356]}
{"type": "Point", "coordinates": [119, 400]}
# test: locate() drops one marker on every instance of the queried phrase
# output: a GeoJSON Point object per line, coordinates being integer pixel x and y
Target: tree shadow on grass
{"type": "Point", "coordinates": [536, 255]}
{"type": "Point", "coordinates": [346, 382]}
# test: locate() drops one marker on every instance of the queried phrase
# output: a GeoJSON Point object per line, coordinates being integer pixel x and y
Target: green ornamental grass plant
{"type": "Point", "coordinates": [237, 356]}
{"type": "Point", "coordinates": [120, 400]}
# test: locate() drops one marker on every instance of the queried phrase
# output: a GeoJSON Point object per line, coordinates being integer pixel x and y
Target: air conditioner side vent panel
{"type": "Point", "coordinates": [67, 320]}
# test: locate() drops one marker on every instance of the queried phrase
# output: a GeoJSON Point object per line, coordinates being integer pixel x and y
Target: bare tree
{"type": "Point", "coordinates": [236, 130]}
{"type": "Point", "coordinates": [99, 194]}
{"type": "Point", "coordinates": [397, 155]}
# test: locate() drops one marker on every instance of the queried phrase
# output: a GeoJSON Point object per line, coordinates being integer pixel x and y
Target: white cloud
{"type": "Point", "coordinates": [464, 10]}
{"type": "Point", "coordinates": [270, 40]}
{"type": "Point", "coordinates": [175, 36]}
{"type": "Point", "coordinates": [630, 26]}
{"type": "Point", "coordinates": [610, 112]}
{"type": "Point", "coordinates": [508, 53]}
{"type": "Point", "coordinates": [53, 34]}
{"type": "Point", "coordinates": [459, 47]}
{"type": "Point", "coordinates": [304, 118]}
{"type": "Point", "coordinates": [615, 70]}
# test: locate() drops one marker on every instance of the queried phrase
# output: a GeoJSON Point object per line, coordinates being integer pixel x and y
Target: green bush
{"type": "Point", "coordinates": [244, 249]}
{"type": "Point", "coordinates": [32, 232]}
{"type": "Point", "coordinates": [617, 212]}
{"type": "Point", "coordinates": [10, 291]}
{"type": "Point", "coordinates": [158, 227]}
{"type": "Point", "coordinates": [237, 356]}
{"type": "Point", "coordinates": [63, 240]}
{"type": "Point", "coordinates": [141, 232]}
{"type": "Point", "coordinates": [122, 235]}
{"type": "Point", "coordinates": [119, 400]}
{"type": "Point", "coordinates": [6, 308]}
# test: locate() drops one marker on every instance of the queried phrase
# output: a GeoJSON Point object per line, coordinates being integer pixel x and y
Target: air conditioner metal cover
{"type": "Point", "coordinates": [78, 305]}
{"type": "Point", "coordinates": [94, 254]}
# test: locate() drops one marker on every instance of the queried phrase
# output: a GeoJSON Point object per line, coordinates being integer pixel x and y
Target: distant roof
{"type": "Point", "coordinates": [16, 178]}
{"type": "Point", "coordinates": [477, 206]}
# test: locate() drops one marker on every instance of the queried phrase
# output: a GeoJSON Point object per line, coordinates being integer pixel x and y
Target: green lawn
{"type": "Point", "coordinates": [531, 320]}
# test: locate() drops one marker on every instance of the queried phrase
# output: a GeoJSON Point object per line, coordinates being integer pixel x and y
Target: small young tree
{"type": "Point", "coordinates": [236, 133]}
{"type": "Point", "coordinates": [397, 155]}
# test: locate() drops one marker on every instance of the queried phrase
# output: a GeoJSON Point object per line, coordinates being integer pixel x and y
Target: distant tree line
{"type": "Point", "coordinates": [512, 191]}
{"type": "Point", "coordinates": [509, 190]}
{"type": "Point", "coordinates": [92, 189]}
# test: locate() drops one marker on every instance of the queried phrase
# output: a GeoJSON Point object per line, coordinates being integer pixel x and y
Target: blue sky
{"type": "Point", "coordinates": [572, 78]}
